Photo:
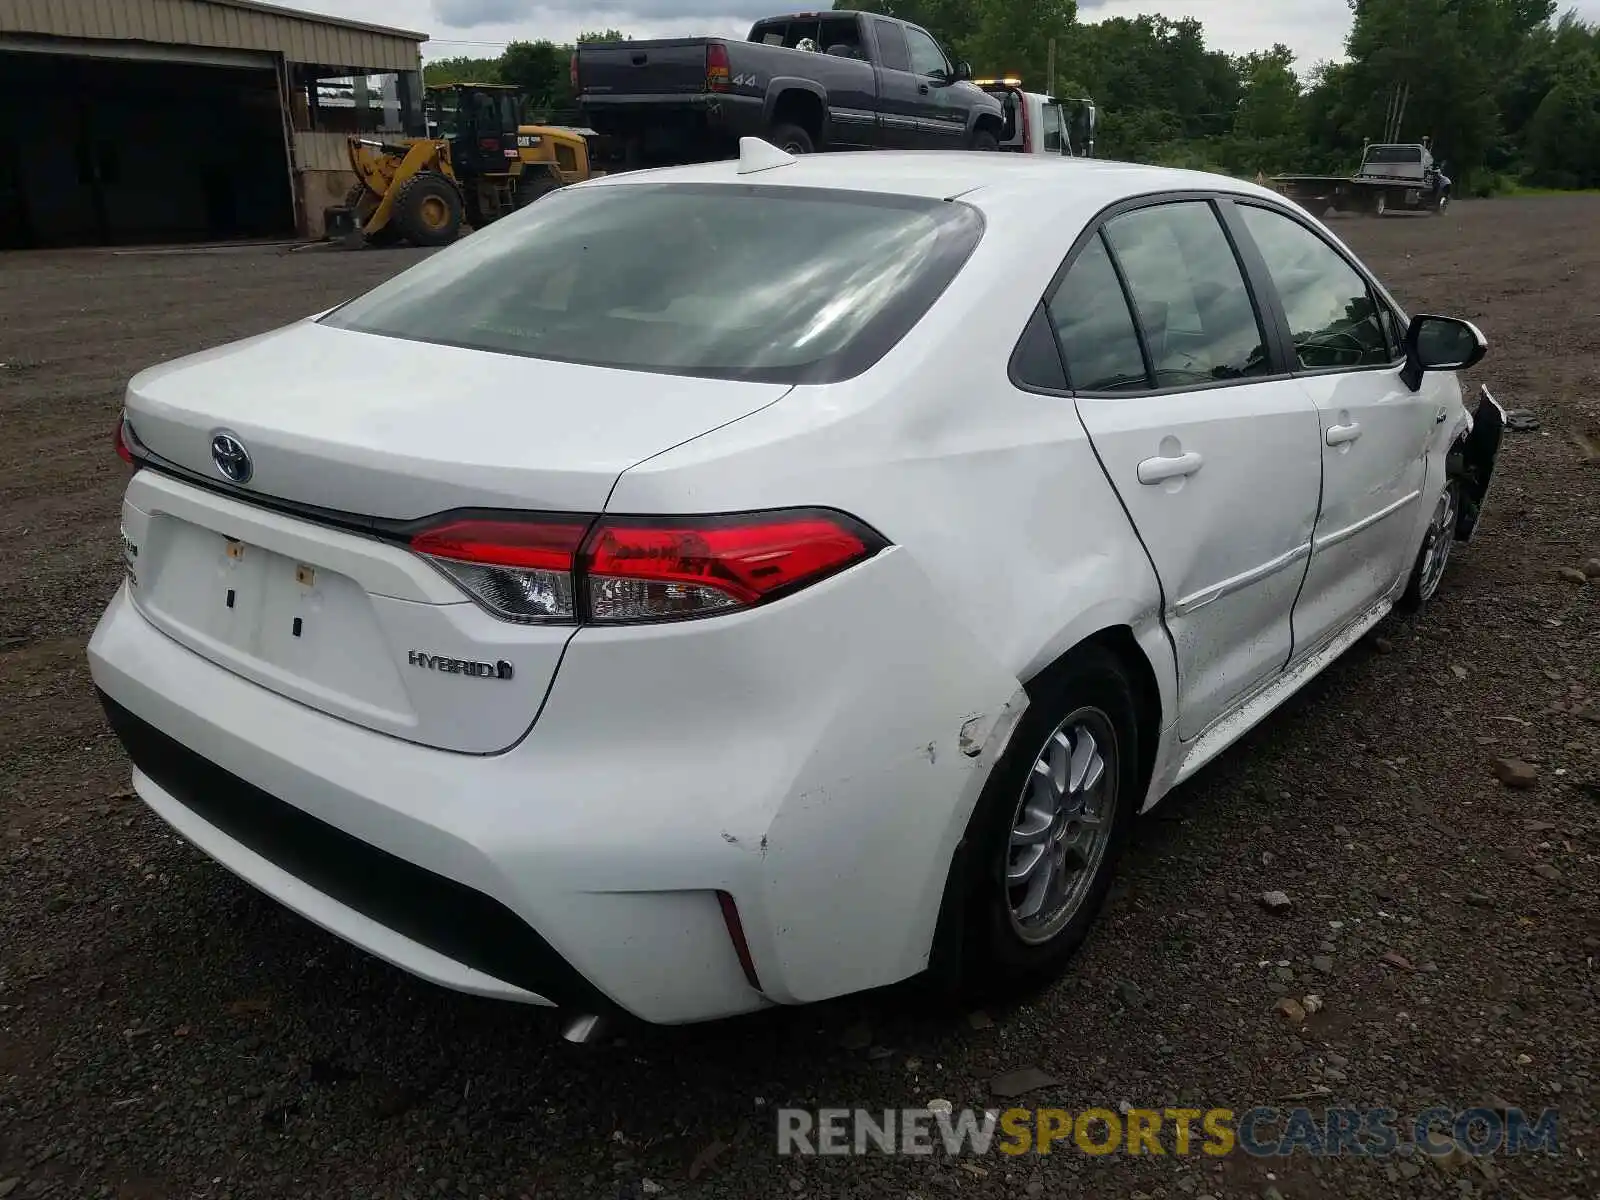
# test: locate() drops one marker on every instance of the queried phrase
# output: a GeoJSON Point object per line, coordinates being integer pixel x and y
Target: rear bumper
{"type": "Point", "coordinates": [816, 760]}
{"type": "Point", "coordinates": [433, 925]}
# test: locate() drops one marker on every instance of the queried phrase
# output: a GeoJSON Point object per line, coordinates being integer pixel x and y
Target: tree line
{"type": "Point", "coordinates": [1508, 90]}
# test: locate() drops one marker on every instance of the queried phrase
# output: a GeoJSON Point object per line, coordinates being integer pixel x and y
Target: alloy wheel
{"type": "Point", "coordinates": [1436, 551]}
{"type": "Point", "coordinates": [1062, 825]}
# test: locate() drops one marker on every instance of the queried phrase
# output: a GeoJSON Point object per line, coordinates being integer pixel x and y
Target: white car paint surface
{"type": "Point", "coordinates": [507, 782]}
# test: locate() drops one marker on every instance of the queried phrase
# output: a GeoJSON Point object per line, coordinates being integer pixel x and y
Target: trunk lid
{"type": "Point", "coordinates": [390, 428]}
{"type": "Point", "coordinates": [659, 67]}
{"type": "Point", "coordinates": [331, 613]}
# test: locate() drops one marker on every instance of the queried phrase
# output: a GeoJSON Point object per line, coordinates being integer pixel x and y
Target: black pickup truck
{"type": "Point", "coordinates": [804, 82]}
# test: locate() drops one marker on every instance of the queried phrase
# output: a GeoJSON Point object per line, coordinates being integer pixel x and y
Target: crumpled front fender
{"type": "Point", "coordinates": [1471, 460]}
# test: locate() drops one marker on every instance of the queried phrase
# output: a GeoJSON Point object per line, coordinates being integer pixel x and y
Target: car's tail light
{"type": "Point", "coordinates": [643, 571]}
{"type": "Point", "coordinates": [129, 448]}
{"type": "Point", "coordinates": [613, 570]}
{"type": "Point", "coordinates": [519, 570]}
{"type": "Point", "coordinates": [719, 73]}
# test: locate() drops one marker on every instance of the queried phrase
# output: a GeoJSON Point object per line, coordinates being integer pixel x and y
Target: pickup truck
{"type": "Point", "coordinates": [804, 82]}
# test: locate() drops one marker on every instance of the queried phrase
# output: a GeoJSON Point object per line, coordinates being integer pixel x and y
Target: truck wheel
{"type": "Point", "coordinates": [984, 139]}
{"type": "Point", "coordinates": [791, 139]}
{"type": "Point", "coordinates": [427, 210]}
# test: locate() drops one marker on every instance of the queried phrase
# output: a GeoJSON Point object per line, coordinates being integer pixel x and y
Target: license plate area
{"type": "Point", "coordinates": [298, 627]}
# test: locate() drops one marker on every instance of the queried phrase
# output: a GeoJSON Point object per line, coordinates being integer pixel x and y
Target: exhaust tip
{"type": "Point", "coordinates": [582, 1029]}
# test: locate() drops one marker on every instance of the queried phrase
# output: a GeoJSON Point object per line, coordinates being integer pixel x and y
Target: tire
{"type": "Point", "coordinates": [1003, 949]}
{"type": "Point", "coordinates": [1433, 556]}
{"type": "Point", "coordinates": [985, 140]}
{"type": "Point", "coordinates": [531, 187]}
{"type": "Point", "coordinates": [791, 139]}
{"type": "Point", "coordinates": [428, 210]}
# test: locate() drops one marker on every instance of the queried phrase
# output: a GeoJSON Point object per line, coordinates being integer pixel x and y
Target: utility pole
{"type": "Point", "coordinates": [1052, 66]}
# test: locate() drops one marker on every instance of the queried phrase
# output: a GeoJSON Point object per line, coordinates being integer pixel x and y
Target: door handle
{"type": "Point", "coordinates": [1159, 470]}
{"type": "Point", "coordinates": [922, 89]}
{"type": "Point", "coordinates": [1339, 435]}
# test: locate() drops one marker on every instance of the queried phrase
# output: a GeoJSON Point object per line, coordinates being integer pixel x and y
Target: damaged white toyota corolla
{"type": "Point", "coordinates": [749, 583]}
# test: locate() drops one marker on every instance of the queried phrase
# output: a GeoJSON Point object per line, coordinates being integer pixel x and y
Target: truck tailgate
{"type": "Point", "coordinates": [660, 67]}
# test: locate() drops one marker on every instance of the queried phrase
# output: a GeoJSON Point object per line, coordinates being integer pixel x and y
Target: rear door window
{"type": "Point", "coordinates": [1189, 294]}
{"type": "Point", "coordinates": [756, 282]}
{"type": "Point", "coordinates": [893, 53]}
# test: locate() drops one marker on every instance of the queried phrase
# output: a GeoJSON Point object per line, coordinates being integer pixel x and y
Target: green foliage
{"type": "Point", "coordinates": [542, 70]}
{"type": "Point", "coordinates": [462, 70]}
{"type": "Point", "coordinates": [1509, 94]}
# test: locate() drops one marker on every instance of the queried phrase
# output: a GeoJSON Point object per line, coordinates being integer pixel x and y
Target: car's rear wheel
{"type": "Point", "coordinates": [984, 139]}
{"type": "Point", "coordinates": [1427, 572]}
{"type": "Point", "coordinates": [1043, 842]}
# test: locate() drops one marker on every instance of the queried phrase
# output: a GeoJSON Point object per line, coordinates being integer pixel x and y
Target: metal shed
{"type": "Point", "coordinates": [184, 120]}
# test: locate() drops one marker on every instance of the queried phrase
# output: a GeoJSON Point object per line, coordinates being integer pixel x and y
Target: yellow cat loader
{"type": "Point", "coordinates": [481, 165]}
{"type": "Point", "coordinates": [552, 156]}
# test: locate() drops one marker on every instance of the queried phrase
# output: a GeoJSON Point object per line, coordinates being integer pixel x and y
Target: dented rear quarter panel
{"type": "Point", "coordinates": [1010, 548]}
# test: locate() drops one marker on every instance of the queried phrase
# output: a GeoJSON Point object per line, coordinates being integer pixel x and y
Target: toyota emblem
{"type": "Point", "coordinates": [232, 459]}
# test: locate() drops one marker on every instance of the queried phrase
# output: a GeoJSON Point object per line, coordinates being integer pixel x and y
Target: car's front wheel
{"type": "Point", "coordinates": [1045, 836]}
{"type": "Point", "coordinates": [1427, 572]}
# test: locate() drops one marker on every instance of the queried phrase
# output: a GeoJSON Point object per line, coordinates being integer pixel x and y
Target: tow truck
{"type": "Point", "coordinates": [1393, 177]}
{"type": "Point", "coordinates": [1037, 123]}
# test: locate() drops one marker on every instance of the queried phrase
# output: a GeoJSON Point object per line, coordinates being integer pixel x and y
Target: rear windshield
{"type": "Point", "coordinates": [729, 281]}
{"type": "Point", "coordinates": [1394, 154]}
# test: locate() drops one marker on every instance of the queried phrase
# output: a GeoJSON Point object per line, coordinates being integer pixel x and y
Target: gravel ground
{"type": "Point", "coordinates": [166, 1031]}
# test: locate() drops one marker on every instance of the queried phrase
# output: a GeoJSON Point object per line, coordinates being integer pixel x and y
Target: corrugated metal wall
{"type": "Point", "coordinates": [231, 24]}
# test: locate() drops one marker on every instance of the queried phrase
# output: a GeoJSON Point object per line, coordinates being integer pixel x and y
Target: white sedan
{"type": "Point", "coordinates": [750, 583]}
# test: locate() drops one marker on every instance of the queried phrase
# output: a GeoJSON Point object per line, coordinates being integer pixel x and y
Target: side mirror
{"type": "Point", "coordinates": [1441, 344]}
{"type": "Point", "coordinates": [962, 72]}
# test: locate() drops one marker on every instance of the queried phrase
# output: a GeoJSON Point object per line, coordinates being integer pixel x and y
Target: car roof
{"type": "Point", "coordinates": [978, 178]}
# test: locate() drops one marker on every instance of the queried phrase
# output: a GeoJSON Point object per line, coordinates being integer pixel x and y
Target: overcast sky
{"type": "Point", "coordinates": [1313, 29]}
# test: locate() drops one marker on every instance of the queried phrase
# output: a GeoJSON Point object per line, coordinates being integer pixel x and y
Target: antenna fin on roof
{"type": "Point", "coordinates": [757, 155]}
